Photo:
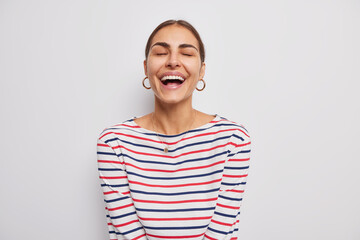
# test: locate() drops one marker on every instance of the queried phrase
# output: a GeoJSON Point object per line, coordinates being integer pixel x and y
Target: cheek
{"type": "Point", "coordinates": [193, 67]}
{"type": "Point", "coordinates": [151, 67]}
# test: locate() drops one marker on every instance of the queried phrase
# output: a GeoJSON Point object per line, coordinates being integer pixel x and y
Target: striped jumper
{"type": "Point", "coordinates": [194, 191]}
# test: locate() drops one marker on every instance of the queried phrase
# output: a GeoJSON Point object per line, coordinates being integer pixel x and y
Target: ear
{"type": "Point", "coordinates": [202, 70]}
{"type": "Point", "coordinates": [145, 67]}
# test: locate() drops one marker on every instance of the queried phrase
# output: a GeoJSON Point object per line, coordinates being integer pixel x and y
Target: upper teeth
{"type": "Point", "coordinates": [172, 78]}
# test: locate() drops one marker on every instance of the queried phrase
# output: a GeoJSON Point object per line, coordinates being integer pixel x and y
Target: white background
{"type": "Point", "coordinates": [288, 70]}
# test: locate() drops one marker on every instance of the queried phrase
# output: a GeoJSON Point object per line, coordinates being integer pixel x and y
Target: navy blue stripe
{"type": "Point", "coordinates": [130, 231]}
{"type": "Point", "coordinates": [217, 231]}
{"type": "Point", "coordinates": [225, 215]}
{"type": "Point", "coordinates": [106, 153]}
{"type": "Point", "coordinates": [177, 135]}
{"type": "Point", "coordinates": [134, 144]}
{"type": "Point", "coordinates": [237, 168]}
{"type": "Point", "coordinates": [176, 163]}
{"type": "Point", "coordinates": [245, 151]}
{"type": "Point", "coordinates": [224, 233]}
{"type": "Point", "coordinates": [177, 193]}
{"type": "Point", "coordinates": [170, 150]}
{"type": "Point", "coordinates": [238, 137]}
{"type": "Point", "coordinates": [174, 210]}
{"type": "Point", "coordinates": [200, 143]}
{"type": "Point", "coordinates": [229, 198]}
{"type": "Point", "coordinates": [174, 178]}
{"type": "Point", "coordinates": [232, 184]}
{"type": "Point", "coordinates": [110, 169]}
{"type": "Point", "coordinates": [175, 228]}
{"type": "Point", "coordinates": [117, 185]}
{"type": "Point", "coordinates": [117, 199]}
{"type": "Point", "coordinates": [123, 215]}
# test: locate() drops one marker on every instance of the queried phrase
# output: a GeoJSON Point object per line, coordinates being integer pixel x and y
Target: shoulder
{"type": "Point", "coordinates": [116, 130]}
{"type": "Point", "coordinates": [239, 141]}
{"type": "Point", "coordinates": [237, 129]}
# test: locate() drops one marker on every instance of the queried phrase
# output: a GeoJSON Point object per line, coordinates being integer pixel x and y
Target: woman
{"type": "Point", "coordinates": [176, 173]}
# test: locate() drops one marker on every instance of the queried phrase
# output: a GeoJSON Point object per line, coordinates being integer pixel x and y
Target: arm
{"type": "Point", "coordinates": [122, 219]}
{"type": "Point", "coordinates": [224, 223]}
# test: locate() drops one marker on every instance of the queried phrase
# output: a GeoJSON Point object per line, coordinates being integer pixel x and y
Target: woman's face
{"type": "Point", "coordinates": [173, 65]}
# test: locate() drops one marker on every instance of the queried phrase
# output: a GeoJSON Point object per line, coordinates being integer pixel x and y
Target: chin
{"type": "Point", "coordinates": [172, 99]}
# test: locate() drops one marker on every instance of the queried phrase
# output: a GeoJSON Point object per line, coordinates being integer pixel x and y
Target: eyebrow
{"type": "Point", "coordinates": [166, 45]}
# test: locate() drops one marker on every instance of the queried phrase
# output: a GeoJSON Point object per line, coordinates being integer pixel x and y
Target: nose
{"type": "Point", "coordinates": [173, 61]}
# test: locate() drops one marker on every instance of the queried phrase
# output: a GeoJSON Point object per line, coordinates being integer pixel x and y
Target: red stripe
{"type": "Point", "coordinates": [238, 160]}
{"type": "Point", "coordinates": [166, 156]}
{"type": "Point", "coordinates": [168, 237]}
{"type": "Point", "coordinates": [221, 223]}
{"type": "Point", "coordinates": [121, 207]}
{"type": "Point", "coordinates": [223, 120]}
{"type": "Point", "coordinates": [105, 145]}
{"type": "Point", "coordinates": [177, 170]}
{"type": "Point", "coordinates": [102, 145]}
{"type": "Point", "coordinates": [125, 125]}
{"type": "Point", "coordinates": [101, 177]}
{"type": "Point", "coordinates": [137, 137]}
{"type": "Point", "coordinates": [240, 145]}
{"type": "Point", "coordinates": [183, 154]}
{"type": "Point", "coordinates": [179, 185]}
{"type": "Point", "coordinates": [212, 133]}
{"type": "Point", "coordinates": [175, 202]}
{"type": "Point", "coordinates": [235, 176]}
{"type": "Point", "coordinates": [139, 236]}
{"type": "Point", "coordinates": [210, 237]}
{"type": "Point", "coordinates": [243, 132]}
{"type": "Point", "coordinates": [108, 161]}
{"type": "Point", "coordinates": [105, 135]}
{"type": "Point", "coordinates": [110, 192]}
{"type": "Point", "coordinates": [124, 224]}
{"type": "Point", "coordinates": [175, 219]}
{"type": "Point", "coordinates": [233, 190]}
{"type": "Point", "coordinates": [172, 143]}
{"type": "Point", "coordinates": [226, 206]}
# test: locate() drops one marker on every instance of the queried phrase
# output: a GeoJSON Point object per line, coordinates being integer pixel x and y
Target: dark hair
{"type": "Point", "coordinates": [181, 23]}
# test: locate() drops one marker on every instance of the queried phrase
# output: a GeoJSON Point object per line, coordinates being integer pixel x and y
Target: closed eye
{"type": "Point", "coordinates": [187, 54]}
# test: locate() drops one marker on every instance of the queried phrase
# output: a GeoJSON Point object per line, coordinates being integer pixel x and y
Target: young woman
{"type": "Point", "coordinates": [175, 173]}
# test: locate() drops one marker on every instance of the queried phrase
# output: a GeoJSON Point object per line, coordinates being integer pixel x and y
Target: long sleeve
{"type": "Point", "coordinates": [123, 222]}
{"type": "Point", "coordinates": [225, 220]}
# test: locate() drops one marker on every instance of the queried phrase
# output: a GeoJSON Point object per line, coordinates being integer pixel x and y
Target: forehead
{"type": "Point", "coordinates": [175, 35]}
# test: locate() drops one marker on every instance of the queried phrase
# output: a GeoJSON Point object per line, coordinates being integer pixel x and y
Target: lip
{"type": "Point", "coordinates": [171, 87]}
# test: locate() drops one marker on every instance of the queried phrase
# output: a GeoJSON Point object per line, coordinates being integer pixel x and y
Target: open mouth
{"type": "Point", "coordinates": [172, 80]}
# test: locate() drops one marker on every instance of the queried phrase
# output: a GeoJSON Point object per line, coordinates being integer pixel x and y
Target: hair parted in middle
{"type": "Point", "coordinates": [181, 23]}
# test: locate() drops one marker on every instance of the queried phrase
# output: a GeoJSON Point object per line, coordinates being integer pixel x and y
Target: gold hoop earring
{"type": "Point", "coordinates": [202, 87]}
{"type": "Point", "coordinates": [143, 82]}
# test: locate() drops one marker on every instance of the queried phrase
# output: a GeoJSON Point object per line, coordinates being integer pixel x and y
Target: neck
{"type": "Point", "coordinates": [171, 119]}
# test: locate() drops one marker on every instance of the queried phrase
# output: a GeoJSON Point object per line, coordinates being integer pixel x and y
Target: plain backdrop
{"type": "Point", "coordinates": [287, 70]}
